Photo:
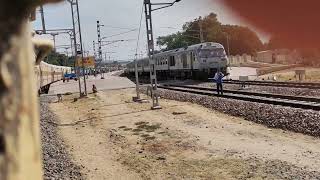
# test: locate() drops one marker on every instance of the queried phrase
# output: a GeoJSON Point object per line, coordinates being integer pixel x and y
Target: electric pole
{"type": "Point", "coordinates": [150, 42]}
{"type": "Point", "coordinates": [201, 31]}
{"type": "Point", "coordinates": [78, 46]}
{"type": "Point", "coordinates": [100, 58]}
{"type": "Point", "coordinates": [43, 20]}
{"type": "Point", "coordinates": [94, 49]}
{"type": "Point", "coordinates": [99, 41]}
{"type": "Point", "coordinates": [54, 40]}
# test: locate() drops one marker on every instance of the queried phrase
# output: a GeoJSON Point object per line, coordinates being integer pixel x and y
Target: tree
{"type": "Point", "coordinates": [241, 39]}
{"type": "Point", "coordinates": [58, 59]}
{"type": "Point", "coordinates": [173, 41]}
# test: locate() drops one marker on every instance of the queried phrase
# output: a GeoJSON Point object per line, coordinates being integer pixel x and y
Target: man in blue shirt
{"type": "Point", "coordinates": [219, 80]}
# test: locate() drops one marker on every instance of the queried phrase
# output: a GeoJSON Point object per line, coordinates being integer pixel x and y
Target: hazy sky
{"type": "Point", "coordinates": [125, 14]}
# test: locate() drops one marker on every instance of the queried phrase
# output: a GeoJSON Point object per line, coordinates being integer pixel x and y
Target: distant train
{"type": "Point", "coordinates": [46, 74]}
{"type": "Point", "coordinates": [198, 61]}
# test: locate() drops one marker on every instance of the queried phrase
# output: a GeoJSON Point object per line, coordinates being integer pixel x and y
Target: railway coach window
{"type": "Point", "coordinates": [207, 53]}
{"type": "Point", "coordinates": [184, 60]}
{"type": "Point", "coordinates": [172, 61]}
{"type": "Point", "coordinates": [193, 56]}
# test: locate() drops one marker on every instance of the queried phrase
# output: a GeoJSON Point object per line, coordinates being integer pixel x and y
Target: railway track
{"type": "Point", "coordinates": [275, 83]}
{"type": "Point", "coordinates": [266, 98]}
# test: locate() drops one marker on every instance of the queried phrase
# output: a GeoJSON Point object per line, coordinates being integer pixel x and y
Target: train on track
{"type": "Point", "coordinates": [46, 74]}
{"type": "Point", "coordinates": [199, 61]}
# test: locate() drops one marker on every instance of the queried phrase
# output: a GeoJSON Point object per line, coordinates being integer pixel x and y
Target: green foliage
{"type": "Point", "coordinates": [173, 41]}
{"type": "Point", "coordinates": [59, 59]}
{"type": "Point", "coordinates": [241, 39]}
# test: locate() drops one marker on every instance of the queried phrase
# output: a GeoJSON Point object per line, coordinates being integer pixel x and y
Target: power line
{"type": "Point", "coordinates": [136, 57]}
{"type": "Point", "coordinates": [120, 33]}
{"type": "Point", "coordinates": [115, 27]}
{"type": "Point", "coordinates": [140, 24]}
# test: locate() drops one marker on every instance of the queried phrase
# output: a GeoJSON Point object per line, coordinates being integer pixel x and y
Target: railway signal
{"type": "Point", "coordinates": [150, 42]}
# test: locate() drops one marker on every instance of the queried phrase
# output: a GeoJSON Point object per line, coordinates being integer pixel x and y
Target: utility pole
{"type": "Point", "coordinates": [150, 42]}
{"type": "Point", "coordinates": [99, 41]}
{"type": "Point", "coordinates": [78, 46]}
{"type": "Point", "coordinates": [138, 98]}
{"type": "Point", "coordinates": [43, 20]}
{"type": "Point", "coordinates": [201, 30]}
{"type": "Point", "coordinates": [67, 53]}
{"type": "Point", "coordinates": [75, 46]}
{"type": "Point", "coordinates": [228, 43]}
{"type": "Point", "coordinates": [100, 58]}
{"type": "Point", "coordinates": [94, 49]}
{"type": "Point", "coordinates": [54, 40]}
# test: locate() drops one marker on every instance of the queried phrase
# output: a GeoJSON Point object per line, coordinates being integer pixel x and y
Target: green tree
{"type": "Point", "coordinates": [58, 59]}
{"type": "Point", "coordinates": [173, 41]}
{"type": "Point", "coordinates": [241, 39]}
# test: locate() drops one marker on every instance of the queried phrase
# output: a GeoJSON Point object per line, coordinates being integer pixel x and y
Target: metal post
{"type": "Point", "coordinates": [78, 42]}
{"type": "Point", "coordinates": [228, 45]}
{"type": "Point", "coordinates": [137, 79]}
{"type": "Point", "coordinates": [201, 31]}
{"type": "Point", "coordinates": [43, 20]}
{"type": "Point", "coordinates": [100, 58]}
{"type": "Point", "coordinates": [81, 49]}
{"type": "Point", "coordinates": [75, 49]}
{"type": "Point", "coordinates": [99, 41]}
{"type": "Point", "coordinates": [67, 53]}
{"type": "Point", "coordinates": [54, 40]}
{"type": "Point", "coordinates": [94, 49]}
{"type": "Point", "coordinates": [150, 40]}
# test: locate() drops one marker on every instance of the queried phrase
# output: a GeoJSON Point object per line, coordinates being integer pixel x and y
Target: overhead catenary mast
{"type": "Point", "coordinates": [100, 57]}
{"type": "Point", "coordinates": [150, 42]}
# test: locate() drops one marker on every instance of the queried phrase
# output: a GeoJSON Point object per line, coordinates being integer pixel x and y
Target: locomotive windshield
{"type": "Point", "coordinates": [208, 53]}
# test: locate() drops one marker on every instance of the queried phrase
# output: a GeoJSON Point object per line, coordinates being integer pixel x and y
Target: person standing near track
{"type": "Point", "coordinates": [219, 81]}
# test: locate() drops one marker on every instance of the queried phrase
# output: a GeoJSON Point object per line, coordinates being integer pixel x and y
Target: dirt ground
{"type": "Point", "coordinates": [312, 75]}
{"type": "Point", "coordinates": [113, 138]}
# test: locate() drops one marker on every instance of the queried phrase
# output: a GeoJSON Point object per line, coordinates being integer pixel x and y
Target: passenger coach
{"type": "Point", "coordinates": [198, 61]}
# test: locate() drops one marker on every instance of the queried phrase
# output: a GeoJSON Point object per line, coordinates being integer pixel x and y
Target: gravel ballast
{"type": "Point", "coordinates": [273, 116]}
{"type": "Point", "coordinates": [57, 162]}
{"type": "Point", "coordinates": [253, 88]}
{"type": "Point", "coordinates": [271, 89]}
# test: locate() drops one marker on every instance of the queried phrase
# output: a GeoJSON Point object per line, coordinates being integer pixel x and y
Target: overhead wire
{"type": "Point", "coordinates": [120, 33]}
{"type": "Point", "coordinates": [116, 27]}
{"type": "Point", "coordinates": [139, 33]}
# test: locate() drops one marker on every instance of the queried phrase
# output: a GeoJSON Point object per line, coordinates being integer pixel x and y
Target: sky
{"type": "Point", "coordinates": [122, 15]}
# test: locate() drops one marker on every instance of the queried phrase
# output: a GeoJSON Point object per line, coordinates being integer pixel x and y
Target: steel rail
{"type": "Point", "coordinates": [267, 95]}
{"type": "Point", "coordinates": [280, 84]}
{"type": "Point", "coordinates": [252, 97]}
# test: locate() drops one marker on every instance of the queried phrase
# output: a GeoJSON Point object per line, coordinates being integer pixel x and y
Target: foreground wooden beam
{"type": "Point", "coordinates": [20, 150]}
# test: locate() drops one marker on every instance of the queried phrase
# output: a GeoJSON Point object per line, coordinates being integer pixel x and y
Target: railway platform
{"type": "Point", "coordinates": [110, 82]}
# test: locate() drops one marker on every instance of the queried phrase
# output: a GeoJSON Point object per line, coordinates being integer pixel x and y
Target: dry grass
{"type": "Point", "coordinates": [312, 75]}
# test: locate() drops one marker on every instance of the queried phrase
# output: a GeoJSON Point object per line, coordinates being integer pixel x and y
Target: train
{"type": "Point", "coordinates": [199, 61]}
{"type": "Point", "coordinates": [46, 74]}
